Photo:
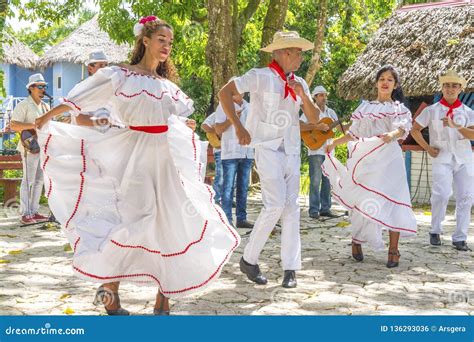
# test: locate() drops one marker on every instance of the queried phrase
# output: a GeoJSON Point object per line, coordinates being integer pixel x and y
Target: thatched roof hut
{"type": "Point", "coordinates": [17, 53]}
{"type": "Point", "coordinates": [80, 43]}
{"type": "Point", "coordinates": [421, 41]}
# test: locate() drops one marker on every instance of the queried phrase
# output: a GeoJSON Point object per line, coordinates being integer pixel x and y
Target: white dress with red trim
{"type": "Point", "coordinates": [373, 184]}
{"type": "Point", "coordinates": [131, 200]}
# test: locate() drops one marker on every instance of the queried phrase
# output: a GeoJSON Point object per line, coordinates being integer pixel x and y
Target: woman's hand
{"type": "Point", "coordinates": [191, 124]}
{"type": "Point", "coordinates": [388, 137]}
{"type": "Point", "coordinates": [330, 148]}
{"type": "Point", "coordinates": [42, 120]}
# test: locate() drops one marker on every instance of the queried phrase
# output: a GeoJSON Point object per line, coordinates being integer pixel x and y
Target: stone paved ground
{"type": "Point", "coordinates": [36, 277]}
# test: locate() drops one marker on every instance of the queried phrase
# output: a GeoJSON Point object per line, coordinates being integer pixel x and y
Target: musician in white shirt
{"type": "Point", "coordinates": [23, 118]}
{"type": "Point", "coordinates": [319, 201]}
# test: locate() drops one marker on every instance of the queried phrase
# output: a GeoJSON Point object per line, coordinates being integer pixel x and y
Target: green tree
{"type": "Point", "coordinates": [44, 37]}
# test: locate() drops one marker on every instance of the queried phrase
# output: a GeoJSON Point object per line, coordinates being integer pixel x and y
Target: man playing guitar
{"type": "Point", "coordinates": [316, 136]}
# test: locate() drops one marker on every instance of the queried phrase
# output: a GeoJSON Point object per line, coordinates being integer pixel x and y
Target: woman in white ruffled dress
{"type": "Point", "coordinates": [131, 200]}
{"type": "Point", "coordinates": [373, 185]}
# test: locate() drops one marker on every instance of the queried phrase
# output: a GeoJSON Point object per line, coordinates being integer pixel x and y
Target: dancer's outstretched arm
{"type": "Point", "coordinates": [339, 141]}
{"type": "Point", "coordinates": [42, 120]}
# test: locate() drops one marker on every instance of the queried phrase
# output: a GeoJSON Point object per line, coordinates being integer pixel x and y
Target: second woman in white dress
{"type": "Point", "coordinates": [373, 185]}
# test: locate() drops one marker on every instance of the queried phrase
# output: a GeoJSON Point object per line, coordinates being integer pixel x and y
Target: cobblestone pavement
{"type": "Point", "coordinates": [36, 276]}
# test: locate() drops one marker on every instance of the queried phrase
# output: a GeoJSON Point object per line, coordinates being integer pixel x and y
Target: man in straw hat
{"type": "Point", "coordinates": [272, 127]}
{"type": "Point", "coordinates": [23, 118]}
{"type": "Point", "coordinates": [450, 124]}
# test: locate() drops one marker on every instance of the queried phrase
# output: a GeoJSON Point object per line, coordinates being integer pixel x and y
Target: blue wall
{"type": "Point", "coordinates": [70, 74]}
{"type": "Point", "coordinates": [16, 79]}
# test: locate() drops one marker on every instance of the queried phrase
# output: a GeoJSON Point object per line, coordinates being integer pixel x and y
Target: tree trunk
{"type": "Point", "coordinates": [226, 25]}
{"type": "Point", "coordinates": [318, 42]}
{"type": "Point", "coordinates": [219, 45]}
{"type": "Point", "coordinates": [274, 20]}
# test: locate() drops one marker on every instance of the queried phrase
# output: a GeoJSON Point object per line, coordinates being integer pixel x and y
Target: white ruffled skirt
{"type": "Point", "coordinates": [134, 207]}
{"type": "Point", "coordinates": [373, 186]}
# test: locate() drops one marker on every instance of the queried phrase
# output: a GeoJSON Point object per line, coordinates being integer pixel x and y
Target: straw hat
{"type": "Point", "coordinates": [35, 79]}
{"type": "Point", "coordinates": [285, 40]}
{"type": "Point", "coordinates": [452, 76]}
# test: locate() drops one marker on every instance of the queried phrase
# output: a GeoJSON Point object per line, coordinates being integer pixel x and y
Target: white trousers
{"type": "Point", "coordinates": [280, 181]}
{"type": "Point", "coordinates": [31, 184]}
{"type": "Point", "coordinates": [442, 189]}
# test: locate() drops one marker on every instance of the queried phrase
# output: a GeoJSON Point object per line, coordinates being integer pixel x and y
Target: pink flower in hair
{"type": "Point", "coordinates": [147, 19]}
{"type": "Point", "coordinates": [138, 28]}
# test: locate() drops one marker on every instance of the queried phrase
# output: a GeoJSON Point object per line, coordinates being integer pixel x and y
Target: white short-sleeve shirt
{"type": "Point", "coordinates": [230, 147]}
{"type": "Point", "coordinates": [450, 142]}
{"type": "Point", "coordinates": [273, 120]}
{"type": "Point", "coordinates": [26, 112]}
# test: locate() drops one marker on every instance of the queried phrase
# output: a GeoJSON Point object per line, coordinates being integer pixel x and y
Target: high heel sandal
{"type": "Point", "coordinates": [107, 297]}
{"type": "Point", "coordinates": [391, 259]}
{"type": "Point", "coordinates": [357, 251]}
{"type": "Point", "coordinates": [160, 311]}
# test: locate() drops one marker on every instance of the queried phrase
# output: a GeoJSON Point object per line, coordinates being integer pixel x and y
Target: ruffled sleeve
{"type": "Point", "coordinates": [355, 118]}
{"type": "Point", "coordinates": [402, 120]}
{"type": "Point", "coordinates": [182, 104]}
{"type": "Point", "coordinates": [94, 92]}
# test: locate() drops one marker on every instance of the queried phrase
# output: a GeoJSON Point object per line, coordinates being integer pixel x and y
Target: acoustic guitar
{"type": "Point", "coordinates": [214, 140]}
{"type": "Point", "coordinates": [315, 139]}
{"type": "Point", "coordinates": [29, 140]}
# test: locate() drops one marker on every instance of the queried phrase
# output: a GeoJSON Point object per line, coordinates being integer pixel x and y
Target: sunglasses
{"type": "Point", "coordinates": [40, 86]}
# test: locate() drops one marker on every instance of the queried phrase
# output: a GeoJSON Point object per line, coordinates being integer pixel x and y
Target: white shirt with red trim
{"type": "Point", "coordinates": [374, 118]}
{"type": "Point", "coordinates": [126, 94]}
{"type": "Point", "coordinates": [273, 120]}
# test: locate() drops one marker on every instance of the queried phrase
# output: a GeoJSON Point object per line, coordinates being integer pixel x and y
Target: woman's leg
{"type": "Point", "coordinates": [162, 305]}
{"type": "Point", "coordinates": [393, 253]}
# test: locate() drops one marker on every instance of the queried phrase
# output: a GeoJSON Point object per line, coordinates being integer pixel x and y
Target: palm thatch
{"type": "Point", "coordinates": [80, 43]}
{"type": "Point", "coordinates": [15, 52]}
{"type": "Point", "coordinates": [421, 43]}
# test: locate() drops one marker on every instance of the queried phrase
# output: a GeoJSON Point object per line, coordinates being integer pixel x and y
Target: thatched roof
{"type": "Point", "coordinates": [15, 52]}
{"type": "Point", "coordinates": [421, 43]}
{"type": "Point", "coordinates": [80, 43]}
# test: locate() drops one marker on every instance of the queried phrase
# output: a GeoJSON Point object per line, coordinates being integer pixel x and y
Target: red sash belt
{"type": "Point", "coordinates": [150, 129]}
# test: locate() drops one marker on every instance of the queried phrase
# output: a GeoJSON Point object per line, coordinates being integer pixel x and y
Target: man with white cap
{"type": "Point", "coordinates": [272, 128]}
{"type": "Point", "coordinates": [450, 125]}
{"type": "Point", "coordinates": [97, 60]}
{"type": "Point", "coordinates": [319, 201]}
{"type": "Point", "coordinates": [23, 118]}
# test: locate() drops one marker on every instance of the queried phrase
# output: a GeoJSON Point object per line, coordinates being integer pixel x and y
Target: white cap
{"type": "Point", "coordinates": [319, 90]}
{"type": "Point", "coordinates": [97, 56]}
{"type": "Point", "coordinates": [34, 79]}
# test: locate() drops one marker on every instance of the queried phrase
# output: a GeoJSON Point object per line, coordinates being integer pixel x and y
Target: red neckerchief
{"type": "Point", "coordinates": [456, 104]}
{"type": "Point", "coordinates": [288, 90]}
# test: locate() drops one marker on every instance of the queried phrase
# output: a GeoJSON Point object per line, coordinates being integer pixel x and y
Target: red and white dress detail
{"type": "Point", "coordinates": [131, 200]}
{"type": "Point", "coordinates": [373, 184]}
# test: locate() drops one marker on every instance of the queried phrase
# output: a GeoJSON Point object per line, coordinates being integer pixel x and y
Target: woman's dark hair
{"type": "Point", "coordinates": [165, 69]}
{"type": "Point", "coordinates": [397, 93]}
